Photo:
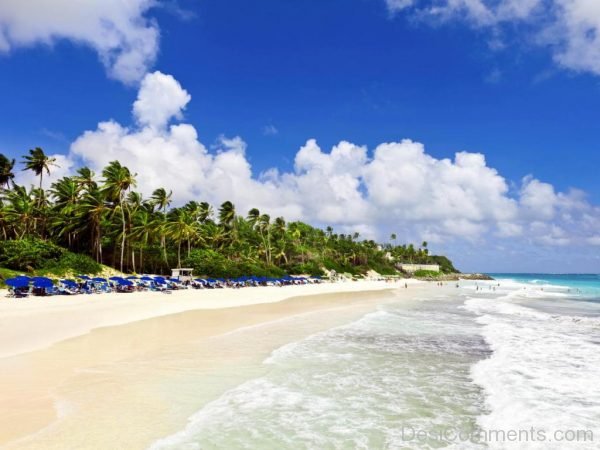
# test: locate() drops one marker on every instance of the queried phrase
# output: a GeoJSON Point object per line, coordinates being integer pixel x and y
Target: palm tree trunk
{"type": "Point", "coordinates": [40, 199]}
{"type": "Point", "coordinates": [133, 259]}
{"type": "Point", "coordinates": [163, 244]}
{"type": "Point", "coordinates": [179, 255]}
{"type": "Point", "coordinates": [123, 237]}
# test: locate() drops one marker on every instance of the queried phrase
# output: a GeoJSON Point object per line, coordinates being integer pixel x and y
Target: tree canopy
{"type": "Point", "coordinates": [106, 219]}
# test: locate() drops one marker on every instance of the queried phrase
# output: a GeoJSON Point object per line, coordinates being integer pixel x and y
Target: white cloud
{"type": "Point", "coordinates": [398, 5]}
{"type": "Point", "coordinates": [160, 99]}
{"type": "Point", "coordinates": [397, 187]}
{"type": "Point", "coordinates": [63, 166]}
{"type": "Point", "coordinates": [538, 199]}
{"type": "Point", "coordinates": [570, 28]}
{"type": "Point", "coordinates": [119, 31]}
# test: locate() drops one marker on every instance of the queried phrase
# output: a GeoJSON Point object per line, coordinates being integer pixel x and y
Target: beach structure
{"type": "Point", "coordinates": [182, 275]}
{"type": "Point", "coordinates": [412, 268]}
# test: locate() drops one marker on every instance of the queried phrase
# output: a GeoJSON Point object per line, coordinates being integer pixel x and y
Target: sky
{"type": "Point", "coordinates": [471, 124]}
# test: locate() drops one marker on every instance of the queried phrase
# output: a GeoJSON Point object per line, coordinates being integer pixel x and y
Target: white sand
{"type": "Point", "coordinates": [123, 382]}
{"type": "Point", "coordinates": [37, 322]}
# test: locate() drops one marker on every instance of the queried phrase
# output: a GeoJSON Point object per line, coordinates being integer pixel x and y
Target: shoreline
{"type": "Point", "coordinates": [49, 320]}
{"type": "Point", "coordinates": [119, 374]}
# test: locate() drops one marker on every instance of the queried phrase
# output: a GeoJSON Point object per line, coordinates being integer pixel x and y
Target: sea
{"type": "Point", "coordinates": [512, 363]}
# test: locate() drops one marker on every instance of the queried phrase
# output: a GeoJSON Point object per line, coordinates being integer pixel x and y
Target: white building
{"type": "Point", "coordinates": [412, 268]}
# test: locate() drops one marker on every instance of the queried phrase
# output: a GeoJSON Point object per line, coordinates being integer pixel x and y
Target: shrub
{"type": "Point", "coordinates": [213, 264]}
{"type": "Point", "coordinates": [445, 264]}
{"type": "Point", "coordinates": [207, 263]}
{"type": "Point", "coordinates": [339, 267]}
{"type": "Point", "coordinates": [76, 262]}
{"type": "Point", "coordinates": [426, 274]}
{"type": "Point", "coordinates": [309, 267]}
{"type": "Point", "coordinates": [29, 254]}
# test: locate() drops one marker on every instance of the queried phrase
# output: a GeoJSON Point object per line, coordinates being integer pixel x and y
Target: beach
{"type": "Point", "coordinates": [342, 365]}
{"type": "Point", "coordinates": [119, 370]}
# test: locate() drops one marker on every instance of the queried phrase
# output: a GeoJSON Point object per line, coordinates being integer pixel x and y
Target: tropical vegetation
{"type": "Point", "coordinates": [86, 220]}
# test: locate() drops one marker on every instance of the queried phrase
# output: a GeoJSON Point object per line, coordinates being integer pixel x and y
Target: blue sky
{"type": "Point", "coordinates": [279, 73]}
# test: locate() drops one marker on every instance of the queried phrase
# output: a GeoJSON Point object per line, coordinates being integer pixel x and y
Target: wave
{"type": "Point", "coordinates": [351, 387]}
{"type": "Point", "coordinates": [541, 371]}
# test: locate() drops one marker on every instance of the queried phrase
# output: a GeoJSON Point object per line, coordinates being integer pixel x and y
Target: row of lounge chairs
{"type": "Point", "coordinates": [23, 286]}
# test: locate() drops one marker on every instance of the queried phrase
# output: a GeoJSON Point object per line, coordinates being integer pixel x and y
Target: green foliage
{"type": "Point", "coordinates": [31, 255]}
{"type": "Point", "coordinates": [107, 220]}
{"type": "Point", "coordinates": [76, 263]}
{"type": "Point", "coordinates": [339, 266]}
{"type": "Point", "coordinates": [382, 268]}
{"type": "Point", "coordinates": [308, 268]}
{"type": "Point", "coordinates": [445, 264]}
{"type": "Point", "coordinates": [6, 274]}
{"type": "Point", "coordinates": [426, 274]}
{"type": "Point", "coordinates": [209, 263]}
{"type": "Point", "coordinates": [28, 254]}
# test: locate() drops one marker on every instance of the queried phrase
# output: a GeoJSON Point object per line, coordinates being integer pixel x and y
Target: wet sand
{"type": "Point", "coordinates": [125, 386]}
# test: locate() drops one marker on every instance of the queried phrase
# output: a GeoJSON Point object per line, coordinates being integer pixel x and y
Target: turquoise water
{"type": "Point", "coordinates": [587, 285]}
{"type": "Point", "coordinates": [520, 354]}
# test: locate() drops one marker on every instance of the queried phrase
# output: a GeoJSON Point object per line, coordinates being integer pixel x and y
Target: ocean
{"type": "Point", "coordinates": [512, 363]}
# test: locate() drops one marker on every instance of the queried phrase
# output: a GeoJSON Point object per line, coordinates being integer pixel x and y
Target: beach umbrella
{"type": "Point", "coordinates": [147, 278]}
{"type": "Point", "coordinates": [42, 282]}
{"type": "Point", "coordinates": [69, 283]}
{"type": "Point", "coordinates": [123, 282]}
{"type": "Point", "coordinates": [116, 278]}
{"type": "Point", "coordinates": [99, 279]}
{"type": "Point", "coordinates": [131, 277]}
{"type": "Point", "coordinates": [17, 282]}
{"type": "Point", "coordinates": [83, 277]}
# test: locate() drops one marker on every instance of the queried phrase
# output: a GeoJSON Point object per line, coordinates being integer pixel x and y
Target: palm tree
{"type": "Point", "coordinates": [253, 217]}
{"type": "Point", "coordinates": [206, 212]}
{"type": "Point", "coordinates": [117, 180]}
{"type": "Point", "coordinates": [180, 227]}
{"type": "Point", "coordinates": [162, 200]}
{"type": "Point", "coordinates": [38, 162]}
{"type": "Point", "coordinates": [20, 211]}
{"type": "Point", "coordinates": [6, 171]}
{"type": "Point", "coordinates": [66, 195]}
{"type": "Point", "coordinates": [227, 215]}
{"type": "Point", "coordinates": [144, 229]}
{"type": "Point", "coordinates": [393, 238]}
{"type": "Point", "coordinates": [92, 211]}
{"type": "Point", "coordinates": [86, 178]}
{"type": "Point", "coordinates": [264, 227]}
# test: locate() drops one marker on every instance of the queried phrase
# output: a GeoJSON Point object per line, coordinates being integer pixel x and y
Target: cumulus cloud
{"type": "Point", "coordinates": [125, 39]}
{"type": "Point", "coordinates": [63, 166]}
{"type": "Point", "coordinates": [159, 99]}
{"type": "Point", "coordinates": [570, 28]}
{"type": "Point", "coordinates": [395, 187]}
